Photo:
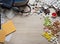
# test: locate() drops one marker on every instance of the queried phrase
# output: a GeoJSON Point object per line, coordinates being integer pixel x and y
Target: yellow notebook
{"type": "Point", "coordinates": [8, 27]}
{"type": "Point", "coordinates": [2, 35]}
{"type": "Point", "coordinates": [47, 36]}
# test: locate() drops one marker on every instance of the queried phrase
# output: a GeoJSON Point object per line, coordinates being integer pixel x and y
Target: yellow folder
{"type": "Point", "coordinates": [2, 35]}
{"type": "Point", "coordinates": [8, 27]}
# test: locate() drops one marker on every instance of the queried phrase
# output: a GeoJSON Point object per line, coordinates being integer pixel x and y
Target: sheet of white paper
{"type": "Point", "coordinates": [8, 38]}
{"type": "Point", "coordinates": [10, 14]}
{"type": "Point", "coordinates": [49, 2]}
{"type": "Point", "coordinates": [31, 1]}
